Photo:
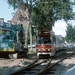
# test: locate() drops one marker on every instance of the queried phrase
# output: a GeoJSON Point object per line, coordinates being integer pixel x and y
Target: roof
{"type": "Point", "coordinates": [15, 18]}
{"type": "Point", "coordinates": [9, 27]}
{"type": "Point", "coordinates": [5, 26]}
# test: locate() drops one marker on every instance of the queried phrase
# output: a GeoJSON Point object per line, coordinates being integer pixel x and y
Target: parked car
{"type": "Point", "coordinates": [33, 45]}
{"type": "Point", "coordinates": [70, 45]}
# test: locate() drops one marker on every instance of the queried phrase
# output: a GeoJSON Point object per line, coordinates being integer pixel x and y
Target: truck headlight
{"type": "Point", "coordinates": [38, 49]}
{"type": "Point", "coordinates": [48, 49]}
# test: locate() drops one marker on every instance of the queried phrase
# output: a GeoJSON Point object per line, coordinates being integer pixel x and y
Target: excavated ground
{"type": "Point", "coordinates": [8, 66]}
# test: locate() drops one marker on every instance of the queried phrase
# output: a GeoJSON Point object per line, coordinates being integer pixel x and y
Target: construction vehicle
{"type": "Point", "coordinates": [12, 40]}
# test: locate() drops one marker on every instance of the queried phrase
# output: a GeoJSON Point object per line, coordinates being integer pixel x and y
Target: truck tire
{"type": "Point", "coordinates": [12, 56]}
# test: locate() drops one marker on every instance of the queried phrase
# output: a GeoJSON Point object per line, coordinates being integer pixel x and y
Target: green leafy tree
{"type": "Point", "coordinates": [47, 12]}
{"type": "Point", "coordinates": [74, 34]}
{"type": "Point", "coordinates": [44, 13]}
{"type": "Point", "coordinates": [69, 33]}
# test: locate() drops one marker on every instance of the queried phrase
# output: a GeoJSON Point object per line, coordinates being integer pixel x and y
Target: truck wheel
{"type": "Point", "coordinates": [13, 56]}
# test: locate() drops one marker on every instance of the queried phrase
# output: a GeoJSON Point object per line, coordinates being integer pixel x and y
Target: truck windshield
{"type": "Point", "coordinates": [43, 40]}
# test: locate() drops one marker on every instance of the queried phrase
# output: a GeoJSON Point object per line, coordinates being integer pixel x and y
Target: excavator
{"type": "Point", "coordinates": [12, 40]}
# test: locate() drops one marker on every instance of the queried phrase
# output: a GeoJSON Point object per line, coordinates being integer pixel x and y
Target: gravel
{"type": "Point", "coordinates": [8, 66]}
{"type": "Point", "coordinates": [65, 65]}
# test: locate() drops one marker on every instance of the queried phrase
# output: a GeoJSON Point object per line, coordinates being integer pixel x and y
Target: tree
{"type": "Point", "coordinates": [74, 34]}
{"type": "Point", "coordinates": [24, 4]}
{"type": "Point", "coordinates": [44, 12]}
{"type": "Point", "coordinates": [47, 12]}
{"type": "Point", "coordinates": [69, 33]}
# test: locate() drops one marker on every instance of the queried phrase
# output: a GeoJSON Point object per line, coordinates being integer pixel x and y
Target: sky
{"type": "Point", "coordinates": [5, 10]}
{"type": "Point", "coordinates": [6, 13]}
{"type": "Point", "coordinates": [60, 27]}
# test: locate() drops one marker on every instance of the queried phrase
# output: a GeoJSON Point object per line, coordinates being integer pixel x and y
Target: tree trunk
{"type": "Point", "coordinates": [26, 37]}
{"type": "Point", "coordinates": [30, 37]}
